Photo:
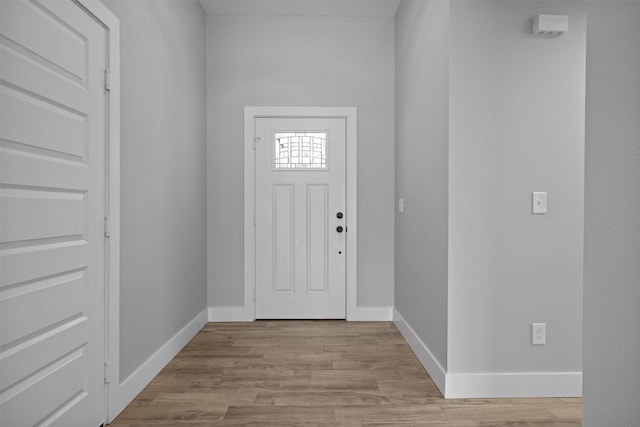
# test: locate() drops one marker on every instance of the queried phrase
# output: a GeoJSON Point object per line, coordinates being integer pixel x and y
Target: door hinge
{"type": "Point", "coordinates": [107, 379]}
{"type": "Point", "coordinates": [107, 226]}
{"type": "Point", "coordinates": [254, 295]}
{"type": "Point", "coordinates": [255, 142]}
{"type": "Point", "coordinates": [107, 80]}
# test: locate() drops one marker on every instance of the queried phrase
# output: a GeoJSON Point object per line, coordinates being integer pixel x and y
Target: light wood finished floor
{"type": "Point", "coordinates": [317, 373]}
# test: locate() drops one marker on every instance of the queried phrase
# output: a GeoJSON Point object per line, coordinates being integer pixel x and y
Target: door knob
{"type": "Point", "coordinates": [339, 215]}
{"type": "Point", "coordinates": [339, 229]}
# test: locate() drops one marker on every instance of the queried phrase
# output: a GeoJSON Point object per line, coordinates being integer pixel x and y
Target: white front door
{"type": "Point", "coordinates": [300, 218]}
{"type": "Point", "coordinates": [52, 207]}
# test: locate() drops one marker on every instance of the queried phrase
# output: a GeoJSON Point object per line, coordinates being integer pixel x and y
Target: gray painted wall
{"type": "Point", "coordinates": [163, 249]}
{"type": "Point", "coordinates": [516, 126]}
{"type": "Point", "coordinates": [612, 216]}
{"type": "Point", "coordinates": [486, 113]}
{"type": "Point", "coordinates": [422, 144]}
{"type": "Point", "coordinates": [299, 61]}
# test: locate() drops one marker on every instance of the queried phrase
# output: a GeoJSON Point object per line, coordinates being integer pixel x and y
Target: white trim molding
{"type": "Point", "coordinates": [141, 377]}
{"type": "Point", "coordinates": [431, 364]}
{"type": "Point", "coordinates": [350, 116]}
{"type": "Point", "coordinates": [486, 385]}
{"type": "Point", "coordinates": [245, 314]}
{"type": "Point", "coordinates": [231, 314]}
{"type": "Point", "coordinates": [513, 384]}
{"type": "Point", "coordinates": [111, 24]}
{"type": "Point", "coordinates": [370, 314]}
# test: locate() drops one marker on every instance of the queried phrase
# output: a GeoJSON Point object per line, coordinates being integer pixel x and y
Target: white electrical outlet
{"type": "Point", "coordinates": [401, 205]}
{"type": "Point", "coordinates": [538, 333]}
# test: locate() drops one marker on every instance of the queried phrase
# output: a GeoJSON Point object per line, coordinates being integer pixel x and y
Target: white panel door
{"type": "Point", "coordinates": [52, 206]}
{"type": "Point", "coordinates": [300, 218]}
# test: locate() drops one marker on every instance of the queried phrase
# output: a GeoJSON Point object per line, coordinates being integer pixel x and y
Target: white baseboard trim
{"type": "Point", "coordinates": [142, 376]}
{"type": "Point", "coordinates": [428, 360]}
{"type": "Point", "coordinates": [513, 384]}
{"type": "Point", "coordinates": [231, 314]}
{"type": "Point", "coordinates": [489, 384]}
{"type": "Point", "coordinates": [245, 314]}
{"type": "Point", "coordinates": [370, 314]}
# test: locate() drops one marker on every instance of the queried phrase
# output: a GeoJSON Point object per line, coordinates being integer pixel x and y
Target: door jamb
{"type": "Point", "coordinates": [106, 18]}
{"type": "Point", "coordinates": [250, 116]}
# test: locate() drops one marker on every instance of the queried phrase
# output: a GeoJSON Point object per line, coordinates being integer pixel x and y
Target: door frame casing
{"type": "Point", "coordinates": [251, 114]}
{"type": "Point", "coordinates": [100, 13]}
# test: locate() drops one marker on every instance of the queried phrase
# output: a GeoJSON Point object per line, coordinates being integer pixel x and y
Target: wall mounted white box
{"type": "Point", "coordinates": [550, 25]}
{"type": "Point", "coordinates": [538, 333]}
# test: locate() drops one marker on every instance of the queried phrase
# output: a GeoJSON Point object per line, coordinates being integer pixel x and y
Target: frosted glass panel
{"type": "Point", "coordinates": [300, 150]}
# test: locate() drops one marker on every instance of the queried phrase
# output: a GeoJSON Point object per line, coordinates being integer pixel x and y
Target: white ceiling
{"type": "Point", "coordinates": [302, 7]}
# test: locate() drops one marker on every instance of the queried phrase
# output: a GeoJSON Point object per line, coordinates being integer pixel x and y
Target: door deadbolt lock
{"type": "Point", "coordinates": [339, 215]}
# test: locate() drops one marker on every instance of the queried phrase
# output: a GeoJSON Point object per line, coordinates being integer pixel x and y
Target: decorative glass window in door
{"type": "Point", "coordinates": [300, 150]}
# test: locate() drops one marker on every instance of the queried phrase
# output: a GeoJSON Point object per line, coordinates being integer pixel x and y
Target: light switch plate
{"type": "Point", "coordinates": [401, 205]}
{"type": "Point", "coordinates": [539, 202]}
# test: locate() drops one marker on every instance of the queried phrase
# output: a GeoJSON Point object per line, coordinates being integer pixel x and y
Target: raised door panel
{"type": "Point", "coordinates": [317, 239]}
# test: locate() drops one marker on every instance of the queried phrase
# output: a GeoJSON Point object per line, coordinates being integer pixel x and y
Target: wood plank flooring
{"type": "Point", "coordinates": [317, 373]}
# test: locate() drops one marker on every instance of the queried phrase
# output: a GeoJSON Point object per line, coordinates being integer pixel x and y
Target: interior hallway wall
{"type": "Point", "coordinates": [484, 117]}
{"type": "Point", "coordinates": [299, 61]}
{"type": "Point", "coordinates": [163, 173]}
{"type": "Point", "coordinates": [422, 155]}
{"type": "Point", "coordinates": [516, 126]}
{"type": "Point", "coordinates": [612, 216]}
